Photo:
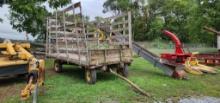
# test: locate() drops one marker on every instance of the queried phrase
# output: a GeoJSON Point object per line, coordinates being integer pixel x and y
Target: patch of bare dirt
{"type": "Point", "coordinates": [10, 87]}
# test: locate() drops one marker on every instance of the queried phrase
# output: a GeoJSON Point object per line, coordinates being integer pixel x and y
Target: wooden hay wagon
{"type": "Point", "coordinates": [70, 40]}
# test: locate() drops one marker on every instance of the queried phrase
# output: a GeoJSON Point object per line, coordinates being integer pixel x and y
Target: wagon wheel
{"type": "Point", "coordinates": [57, 66]}
{"type": "Point", "coordinates": [90, 76]}
{"type": "Point", "coordinates": [123, 70]}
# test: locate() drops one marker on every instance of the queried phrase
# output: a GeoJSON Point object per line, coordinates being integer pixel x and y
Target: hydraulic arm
{"type": "Point", "coordinates": [16, 54]}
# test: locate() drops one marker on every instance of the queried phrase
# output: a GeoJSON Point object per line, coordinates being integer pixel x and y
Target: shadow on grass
{"type": "Point", "coordinates": [79, 74]}
{"type": "Point", "coordinates": [160, 74]}
{"type": "Point", "coordinates": [148, 72]}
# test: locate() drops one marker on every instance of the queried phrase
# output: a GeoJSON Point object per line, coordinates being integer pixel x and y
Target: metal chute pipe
{"type": "Point", "coordinates": [175, 39]}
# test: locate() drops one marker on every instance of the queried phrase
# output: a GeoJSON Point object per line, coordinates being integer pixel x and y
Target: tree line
{"type": "Point", "coordinates": [186, 18]}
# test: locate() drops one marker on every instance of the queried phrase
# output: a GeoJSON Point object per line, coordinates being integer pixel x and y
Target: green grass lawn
{"type": "Point", "coordinates": [70, 86]}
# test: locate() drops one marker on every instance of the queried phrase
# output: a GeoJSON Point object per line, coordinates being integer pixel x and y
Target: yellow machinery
{"type": "Point", "coordinates": [192, 66]}
{"type": "Point", "coordinates": [15, 59]}
{"type": "Point", "coordinates": [101, 35]}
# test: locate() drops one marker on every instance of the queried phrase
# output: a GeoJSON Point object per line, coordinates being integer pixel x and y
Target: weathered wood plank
{"type": "Point", "coordinates": [119, 29]}
{"type": "Point", "coordinates": [120, 23]}
{"type": "Point", "coordinates": [76, 46]}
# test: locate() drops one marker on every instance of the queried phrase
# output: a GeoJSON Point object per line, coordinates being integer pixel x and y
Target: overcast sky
{"type": "Point", "coordinates": [90, 8]}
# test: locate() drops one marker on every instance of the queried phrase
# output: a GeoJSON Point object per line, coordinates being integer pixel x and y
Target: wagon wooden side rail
{"type": "Point", "coordinates": [68, 42]}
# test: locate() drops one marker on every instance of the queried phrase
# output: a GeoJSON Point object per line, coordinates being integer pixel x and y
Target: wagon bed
{"type": "Point", "coordinates": [96, 58]}
{"type": "Point", "coordinates": [91, 45]}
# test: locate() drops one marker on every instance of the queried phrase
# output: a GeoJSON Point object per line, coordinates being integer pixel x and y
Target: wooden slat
{"type": "Point", "coordinates": [53, 27]}
{"type": "Point", "coordinates": [212, 30]}
{"type": "Point", "coordinates": [73, 6]}
{"type": "Point", "coordinates": [83, 48]}
{"type": "Point", "coordinates": [61, 32]}
{"type": "Point", "coordinates": [129, 29]}
{"type": "Point", "coordinates": [73, 39]}
{"type": "Point", "coordinates": [61, 36]}
{"type": "Point", "coordinates": [119, 29]}
{"type": "Point", "coordinates": [69, 23]}
{"type": "Point", "coordinates": [120, 23]}
{"type": "Point", "coordinates": [73, 58]}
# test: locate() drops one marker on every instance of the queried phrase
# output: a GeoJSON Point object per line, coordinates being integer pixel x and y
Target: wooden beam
{"type": "Point", "coordinates": [130, 29]}
{"type": "Point", "coordinates": [211, 30]}
{"type": "Point", "coordinates": [73, 6]}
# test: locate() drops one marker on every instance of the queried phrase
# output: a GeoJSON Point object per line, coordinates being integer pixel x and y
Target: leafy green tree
{"type": "Point", "coordinates": [58, 3]}
{"type": "Point", "coordinates": [176, 14]}
{"type": "Point", "coordinates": [30, 15]}
{"type": "Point", "coordinates": [209, 15]}
{"type": "Point", "coordinates": [186, 18]}
{"type": "Point", "coordinates": [120, 6]}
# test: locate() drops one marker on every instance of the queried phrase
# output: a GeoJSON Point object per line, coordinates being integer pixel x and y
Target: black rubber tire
{"type": "Point", "coordinates": [57, 66]}
{"type": "Point", "coordinates": [123, 70]}
{"type": "Point", "coordinates": [90, 76]}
